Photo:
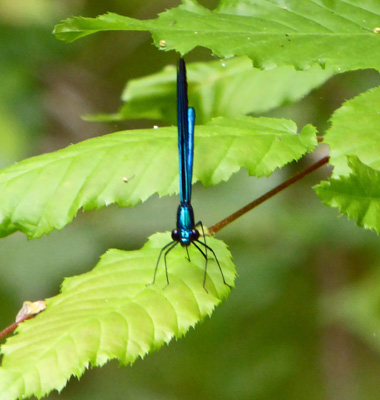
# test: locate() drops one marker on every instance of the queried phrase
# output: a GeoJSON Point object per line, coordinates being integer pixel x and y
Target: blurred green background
{"type": "Point", "coordinates": [304, 319]}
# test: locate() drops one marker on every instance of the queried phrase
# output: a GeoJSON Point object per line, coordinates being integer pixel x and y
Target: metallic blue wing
{"type": "Point", "coordinates": [190, 148]}
{"type": "Point", "coordinates": [186, 119]}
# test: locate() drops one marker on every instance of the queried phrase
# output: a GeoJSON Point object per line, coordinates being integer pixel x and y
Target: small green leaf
{"type": "Point", "coordinates": [44, 193]}
{"type": "Point", "coordinates": [340, 33]}
{"type": "Point", "coordinates": [356, 195]}
{"type": "Point", "coordinates": [229, 89]}
{"type": "Point", "coordinates": [355, 131]}
{"type": "Point", "coordinates": [111, 313]}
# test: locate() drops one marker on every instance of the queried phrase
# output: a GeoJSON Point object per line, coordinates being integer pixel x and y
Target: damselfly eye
{"type": "Point", "coordinates": [175, 235]}
{"type": "Point", "coordinates": [194, 235]}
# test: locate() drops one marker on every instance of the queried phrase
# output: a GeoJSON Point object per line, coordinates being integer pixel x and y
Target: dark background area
{"type": "Point", "coordinates": [302, 321]}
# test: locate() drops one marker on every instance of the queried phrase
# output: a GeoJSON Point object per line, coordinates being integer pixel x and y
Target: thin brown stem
{"type": "Point", "coordinates": [29, 310]}
{"type": "Point", "coordinates": [217, 227]}
{"type": "Point", "coordinates": [12, 327]}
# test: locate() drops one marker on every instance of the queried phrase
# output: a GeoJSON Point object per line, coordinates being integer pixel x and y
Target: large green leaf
{"type": "Point", "coordinates": [356, 195]}
{"type": "Point", "coordinates": [341, 33]}
{"type": "Point", "coordinates": [44, 193]}
{"type": "Point", "coordinates": [229, 89]}
{"type": "Point", "coordinates": [111, 313]}
{"type": "Point", "coordinates": [355, 131]}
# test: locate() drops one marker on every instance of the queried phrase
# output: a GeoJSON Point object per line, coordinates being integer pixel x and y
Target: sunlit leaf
{"type": "Point", "coordinates": [355, 131]}
{"type": "Point", "coordinates": [44, 193]}
{"type": "Point", "coordinates": [356, 195]}
{"type": "Point", "coordinates": [341, 34]}
{"type": "Point", "coordinates": [111, 313]}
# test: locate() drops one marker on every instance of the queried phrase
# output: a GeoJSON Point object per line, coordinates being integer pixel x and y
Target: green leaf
{"type": "Point", "coordinates": [44, 193]}
{"type": "Point", "coordinates": [356, 195]}
{"type": "Point", "coordinates": [340, 33]}
{"type": "Point", "coordinates": [111, 313]}
{"type": "Point", "coordinates": [229, 89]}
{"type": "Point", "coordinates": [355, 131]}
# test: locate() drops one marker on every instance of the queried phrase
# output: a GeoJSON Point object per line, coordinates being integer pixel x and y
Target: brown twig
{"type": "Point", "coordinates": [217, 227]}
{"type": "Point", "coordinates": [12, 327]}
{"type": "Point", "coordinates": [29, 310]}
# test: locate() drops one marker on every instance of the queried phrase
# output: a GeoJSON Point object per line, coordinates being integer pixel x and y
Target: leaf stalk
{"type": "Point", "coordinates": [226, 221]}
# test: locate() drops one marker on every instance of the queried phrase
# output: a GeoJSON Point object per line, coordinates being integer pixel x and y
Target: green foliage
{"type": "Point", "coordinates": [340, 35]}
{"type": "Point", "coordinates": [356, 195]}
{"type": "Point", "coordinates": [226, 88]}
{"type": "Point", "coordinates": [354, 139]}
{"type": "Point", "coordinates": [110, 312]}
{"type": "Point", "coordinates": [355, 131]}
{"type": "Point", "coordinates": [45, 192]}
